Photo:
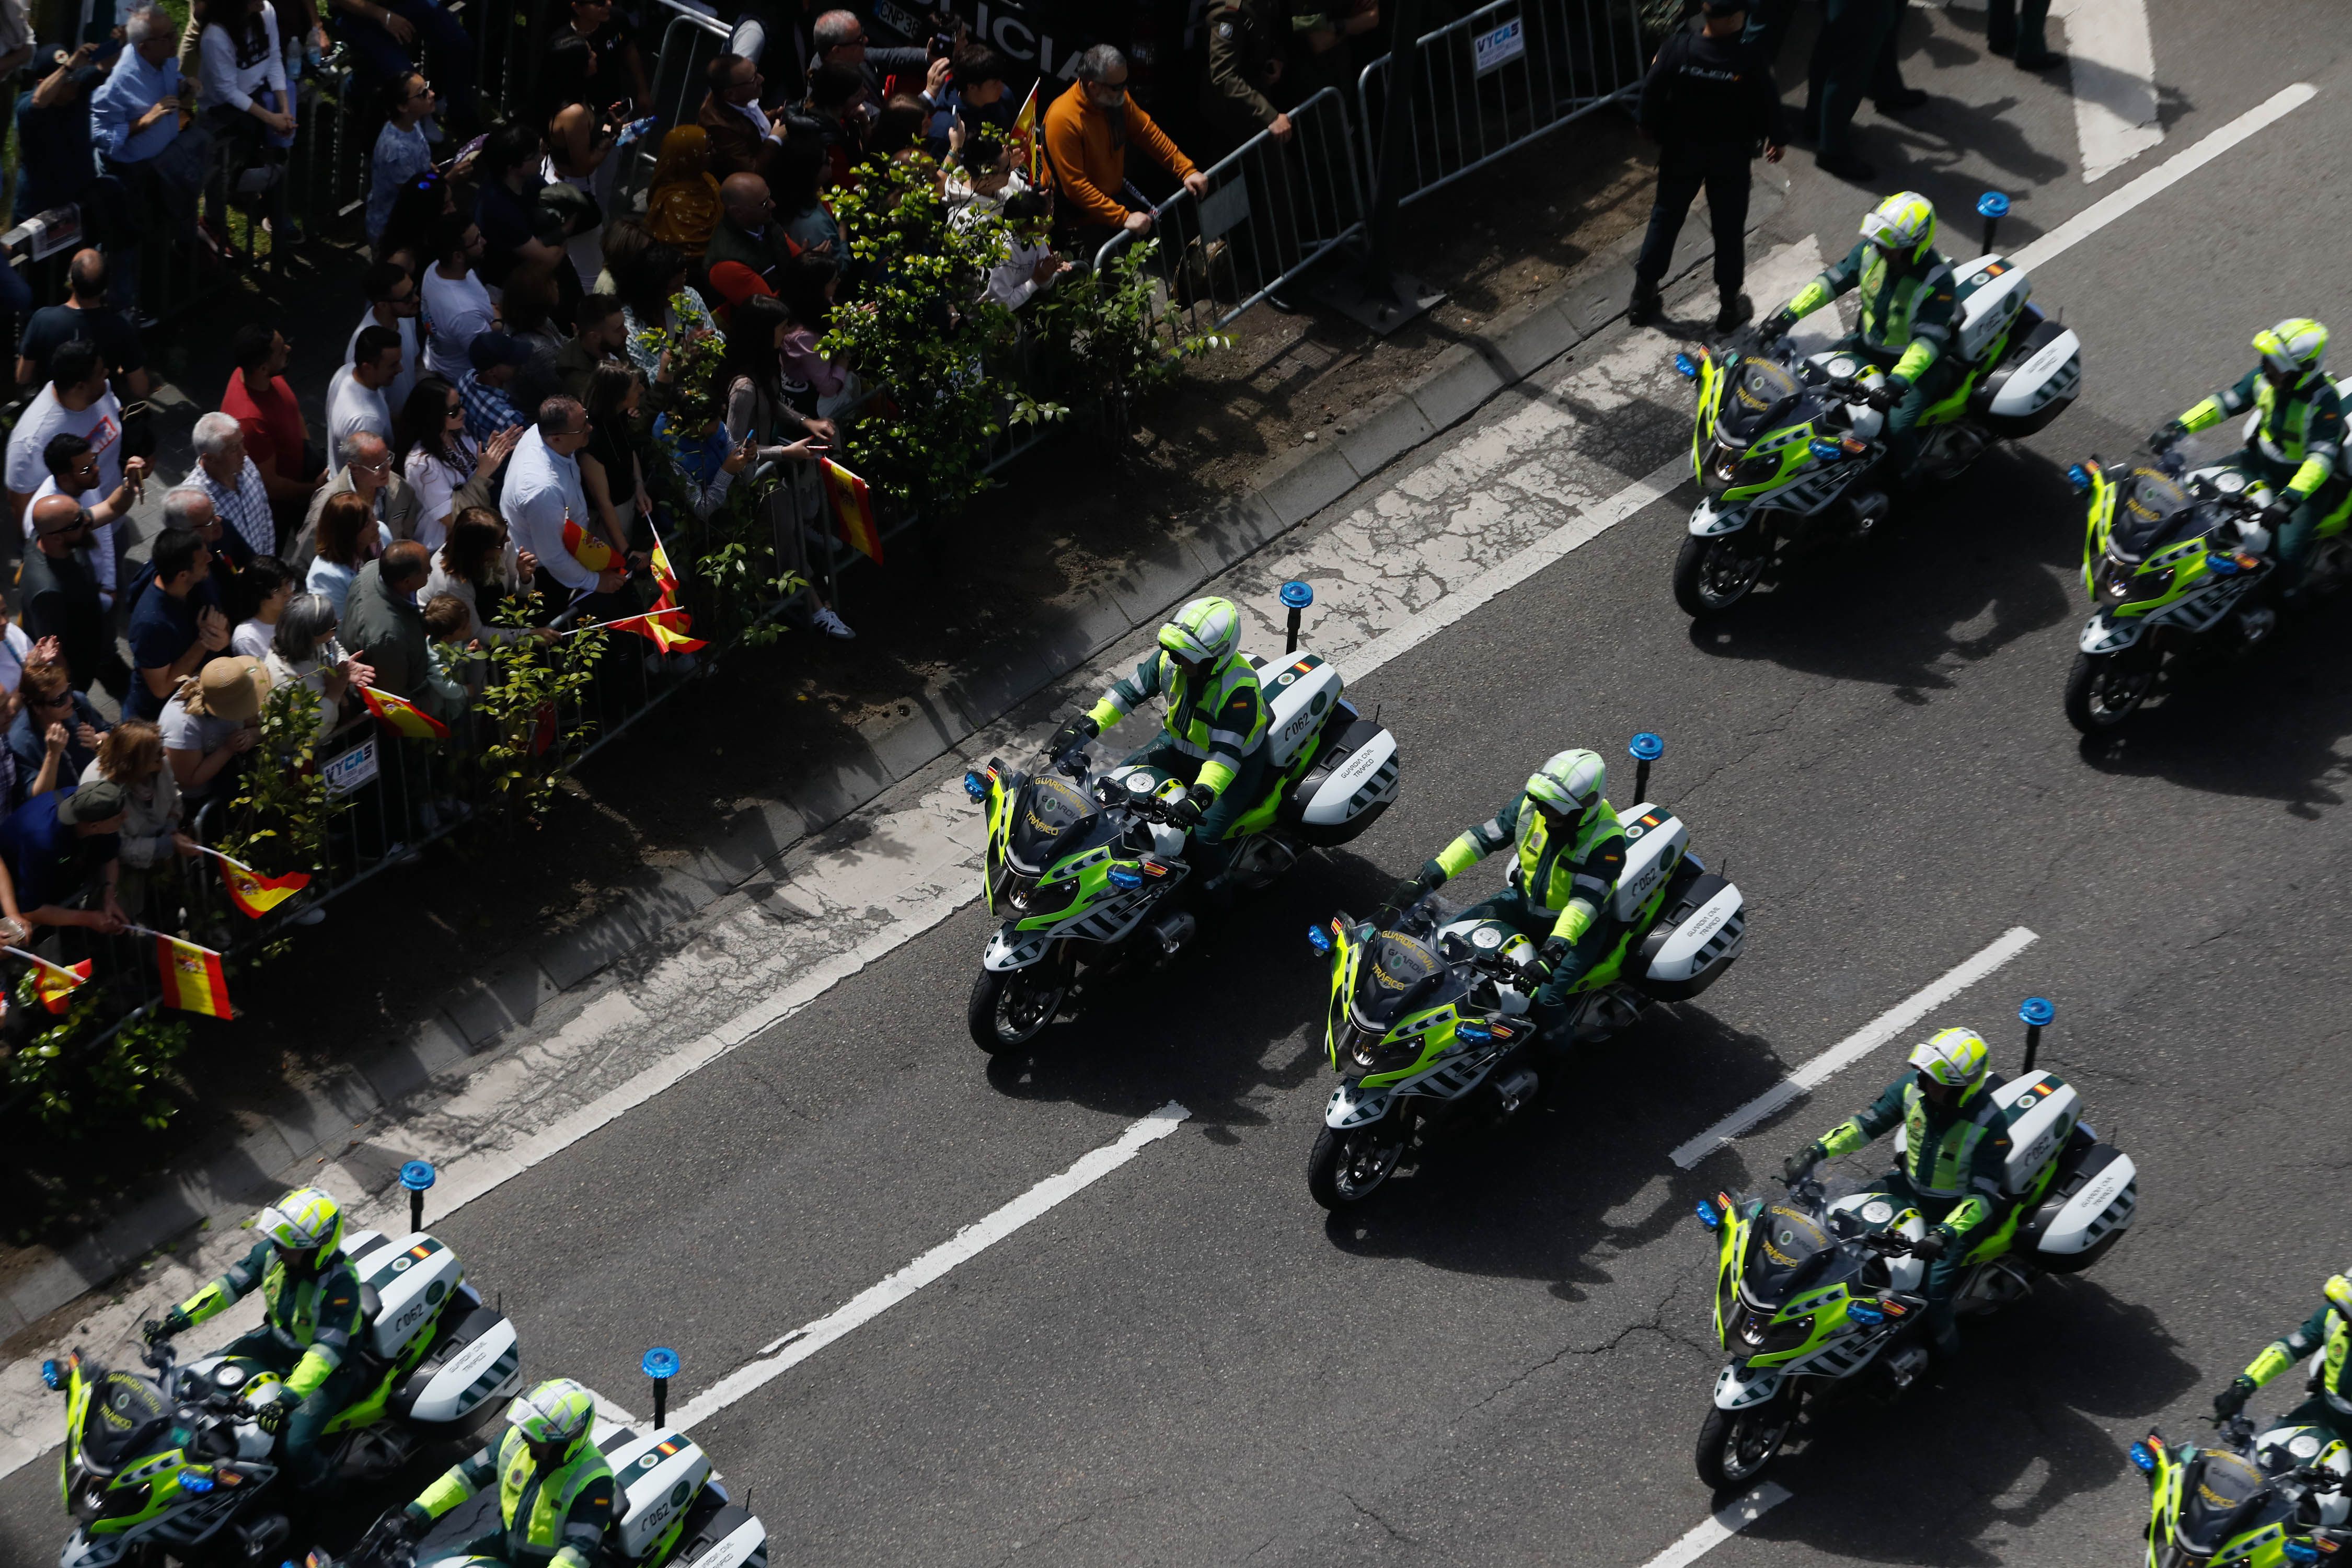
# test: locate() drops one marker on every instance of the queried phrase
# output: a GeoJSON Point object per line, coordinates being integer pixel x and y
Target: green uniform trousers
{"type": "Point", "coordinates": [2300, 532]}
{"type": "Point", "coordinates": [1902, 430]}
{"type": "Point", "coordinates": [305, 1464]}
{"type": "Point", "coordinates": [1209, 852]}
{"type": "Point", "coordinates": [1944, 1273]}
{"type": "Point", "coordinates": [1514, 910]}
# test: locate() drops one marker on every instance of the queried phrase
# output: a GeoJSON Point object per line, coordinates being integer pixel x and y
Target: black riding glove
{"type": "Point", "coordinates": [1187, 813]}
{"type": "Point", "coordinates": [1404, 895]}
{"type": "Point", "coordinates": [1776, 325]}
{"type": "Point", "coordinates": [2232, 1399]}
{"type": "Point", "coordinates": [1886, 395]}
{"type": "Point", "coordinates": [1072, 735]}
{"type": "Point", "coordinates": [1800, 1165]}
{"type": "Point", "coordinates": [1930, 1246]}
{"type": "Point", "coordinates": [175, 1321]}
{"type": "Point", "coordinates": [2169, 432]}
{"type": "Point", "coordinates": [272, 1418]}
{"type": "Point", "coordinates": [2275, 517]}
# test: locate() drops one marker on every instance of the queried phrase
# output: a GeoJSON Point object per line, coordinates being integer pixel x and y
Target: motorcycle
{"type": "Point", "coordinates": [1781, 439]}
{"type": "Point", "coordinates": [1429, 1022]}
{"type": "Point", "coordinates": [2170, 558]}
{"type": "Point", "coordinates": [2247, 1501]}
{"type": "Point", "coordinates": [1814, 1291]}
{"type": "Point", "coordinates": [1082, 862]}
{"type": "Point", "coordinates": [176, 1461]}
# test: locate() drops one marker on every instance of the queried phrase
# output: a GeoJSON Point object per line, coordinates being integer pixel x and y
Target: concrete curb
{"type": "Point", "coordinates": [553, 980]}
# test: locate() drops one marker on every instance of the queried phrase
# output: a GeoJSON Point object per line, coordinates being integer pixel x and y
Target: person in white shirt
{"type": "Point", "coordinates": [263, 590]}
{"type": "Point", "coordinates": [1030, 265]}
{"type": "Point", "coordinates": [77, 401]}
{"type": "Point", "coordinates": [543, 493]}
{"type": "Point", "coordinates": [243, 95]}
{"type": "Point", "coordinates": [73, 473]}
{"type": "Point", "coordinates": [355, 399]}
{"type": "Point", "coordinates": [394, 304]}
{"type": "Point", "coordinates": [454, 298]}
{"type": "Point", "coordinates": [438, 459]}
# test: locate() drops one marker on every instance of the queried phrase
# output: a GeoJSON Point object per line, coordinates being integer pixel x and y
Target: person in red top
{"type": "Point", "coordinates": [276, 438]}
{"type": "Point", "coordinates": [1088, 131]}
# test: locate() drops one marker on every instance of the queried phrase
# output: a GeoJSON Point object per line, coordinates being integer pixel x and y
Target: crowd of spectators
{"type": "Point", "coordinates": [506, 421]}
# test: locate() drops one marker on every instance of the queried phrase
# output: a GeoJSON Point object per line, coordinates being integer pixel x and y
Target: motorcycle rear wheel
{"type": "Point", "coordinates": [1345, 1168]}
{"type": "Point", "coordinates": [1713, 574]}
{"type": "Point", "coordinates": [2104, 692]}
{"type": "Point", "coordinates": [1011, 1007]}
{"type": "Point", "coordinates": [1736, 1447]}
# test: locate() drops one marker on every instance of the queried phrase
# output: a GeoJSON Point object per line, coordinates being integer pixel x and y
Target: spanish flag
{"type": "Point", "coordinates": [402, 717]}
{"type": "Point", "coordinates": [192, 977]}
{"type": "Point", "coordinates": [665, 576]}
{"type": "Point", "coordinates": [664, 627]}
{"type": "Point", "coordinates": [54, 983]}
{"type": "Point", "coordinates": [853, 511]}
{"type": "Point", "coordinates": [253, 893]}
{"type": "Point", "coordinates": [590, 549]}
{"type": "Point", "coordinates": [1033, 146]}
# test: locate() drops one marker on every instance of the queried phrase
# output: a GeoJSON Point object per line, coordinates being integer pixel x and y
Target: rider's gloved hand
{"type": "Point", "coordinates": [272, 1418]}
{"type": "Point", "coordinates": [1930, 1246]}
{"type": "Point", "coordinates": [1800, 1165]}
{"type": "Point", "coordinates": [1402, 896]}
{"type": "Point", "coordinates": [1887, 393]}
{"type": "Point", "coordinates": [392, 1538]}
{"type": "Point", "coordinates": [175, 1321]}
{"type": "Point", "coordinates": [1072, 735]}
{"type": "Point", "coordinates": [1776, 325]}
{"type": "Point", "coordinates": [2166, 433]}
{"type": "Point", "coordinates": [2275, 515]}
{"type": "Point", "coordinates": [2232, 1399]}
{"type": "Point", "coordinates": [1187, 813]}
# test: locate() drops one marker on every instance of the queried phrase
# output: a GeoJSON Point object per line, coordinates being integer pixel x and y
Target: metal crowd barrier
{"type": "Point", "coordinates": [689, 42]}
{"type": "Point", "coordinates": [1499, 78]}
{"type": "Point", "coordinates": [1273, 209]}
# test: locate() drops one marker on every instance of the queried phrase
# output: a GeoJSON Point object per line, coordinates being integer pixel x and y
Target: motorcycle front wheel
{"type": "Point", "coordinates": [2103, 692]}
{"type": "Point", "coordinates": [1735, 1447]}
{"type": "Point", "coordinates": [1011, 1007]}
{"type": "Point", "coordinates": [1348, 1167]}
{"type": "Point", "coordinates": [1714, 573]}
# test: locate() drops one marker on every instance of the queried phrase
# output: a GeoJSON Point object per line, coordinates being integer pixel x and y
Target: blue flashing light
{"type": "Point", "coordinates": [2142, 1459]}
{"type": "Point", "coordinates": [2300, 1551]}
{"type": "Point", "coordinates": [2080, 478]}
{"type": "Point", "coordinates": [1125, 877]}
{"type": "Point", "coordinates": [53, 1375]}
{"type": "Point", "coordinates": [417, 1175]}
{"type": "Point", "coordinates": [1297, 595]}
{"type": "Point", "coordinates": [1865, 1314]}
{"type": "Point", "coordinates": [974, 785]}
{"type": "Point", "coordinates": [1646, 747]}
{"type": "Point", "coordinates": [1473, 1031]}
{"type": "Point", "coordinates": [1992, 203]}
{"type": "Point", "coordinates": [1686, 367]}
{"type": "Point", "coordinates": [2221, 565]}
{"type": "Point", "coordinates": [1318, 938]}
{"type": "Point", "coordinates": [1707, 1216]}
{"type": "Point", "coordinates": [661, 1362]}
{"type": "Point", "coordinates": [1826, 450]}
{"type": "Point", "coordinates": [197, 1481]}
{"type": "Point", "coordinates": [2036, 1011]}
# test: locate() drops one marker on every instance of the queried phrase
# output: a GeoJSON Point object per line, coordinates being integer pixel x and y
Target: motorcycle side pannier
{"type": "Point", "coordinates": [2089, 1204]}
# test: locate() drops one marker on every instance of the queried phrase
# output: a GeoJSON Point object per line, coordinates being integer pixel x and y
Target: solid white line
{"type": "Point", "coordinates": [1854, 1046]}
{"type": "Point", "coordinates": [2111, 67]}
{"type": "Point", "coordinates": [963, 1248]}
{"type": "Point", "coordinates": [2164, 176]}
{"type": "Point", "coordinates": [1727, 1521]}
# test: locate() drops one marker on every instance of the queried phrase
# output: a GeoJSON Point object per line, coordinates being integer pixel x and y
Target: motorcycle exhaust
{"type": "Point", "coordinates": [1903, 1368]}
{"type": "Point", "coordinates": [1174, 930]}
{"type": "Point", "coordinates": [265, 1536]}
{"type": "Point", "coordinates": [1515, 1090]}
{"type": "Point", "coordinates": [1869, 511]}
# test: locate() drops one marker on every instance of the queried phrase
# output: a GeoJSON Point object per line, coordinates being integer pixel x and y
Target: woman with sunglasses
{"type": "Point", "coordinates": [438, 457]}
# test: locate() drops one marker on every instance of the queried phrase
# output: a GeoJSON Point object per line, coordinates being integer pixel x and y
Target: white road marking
{"type": "Point", "coordinates": [1727, 1521]}
{"type": "Point", "coordinates": [963, 1248]}
{"type": "Point", "coordinates": [2112, 63]}
{"type": "Point", "coordinates": [1854, 1046]}
{"type": "Point", "coordinates": [2164, 176]}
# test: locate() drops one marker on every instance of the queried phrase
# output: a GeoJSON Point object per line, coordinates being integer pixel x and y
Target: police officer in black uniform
{"type": "Point", "coordinates": [1710, 104]}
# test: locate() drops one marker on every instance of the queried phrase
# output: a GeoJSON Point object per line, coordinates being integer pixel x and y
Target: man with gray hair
{"type": "Point", "coordinates": [840, 40]}
{"type": "Point", "coordinates": [368, 471]}
{"type": "Point", "coordinates": [189, 508]}
{"type": "Point", "coordinates": [225, 477]}
{"type": "Point", "coordinates": [134, 115]}
{"type": "Point", "coordinates": [1088, 130]}
{"type": "Point", "coordinates": [542, 495]}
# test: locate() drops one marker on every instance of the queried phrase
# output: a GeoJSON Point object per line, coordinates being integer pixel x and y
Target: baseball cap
{"type": "Point", "coordinates": [93, 802]}
{"type": "Point", "coordinates": [490, 350]}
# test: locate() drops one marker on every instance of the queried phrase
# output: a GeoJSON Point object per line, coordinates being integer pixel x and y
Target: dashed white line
{"type": "Point", "coordinates": [1855, 1046]}
{"type": "Point", "coordinates": [1725, 1522]}
{"type": "Point", "coordinates": [963, 1248]}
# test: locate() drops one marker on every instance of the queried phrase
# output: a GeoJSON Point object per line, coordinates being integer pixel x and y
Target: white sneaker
{"type": "Point", "coordinates": [832, 625]}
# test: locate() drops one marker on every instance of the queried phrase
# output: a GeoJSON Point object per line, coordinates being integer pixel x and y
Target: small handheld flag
{"type": "Point", "coordinates": [192, 977]}
{"type": "Point", "coordinates": [1033, 146]}
{"type": "Point", "coordinates": [54, 983]}
{"type": "Point", "coordinates": [590, 549]}
{"type": "Point", "coordinates": [403, 717]}
{"type": "Point", "coordinates": [852, 510]}
{"type": "Point", "coordinates": [254, 894]}
{"type": "Point", "coordinates": [665, 628]}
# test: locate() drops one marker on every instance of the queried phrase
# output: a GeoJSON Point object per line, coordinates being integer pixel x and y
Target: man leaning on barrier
{"type": "Point", "coordinates": [1088, 130]}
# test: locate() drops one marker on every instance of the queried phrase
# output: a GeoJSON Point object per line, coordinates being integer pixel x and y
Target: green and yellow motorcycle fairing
{"type": "Point", "coordinates": [2242, 1501]}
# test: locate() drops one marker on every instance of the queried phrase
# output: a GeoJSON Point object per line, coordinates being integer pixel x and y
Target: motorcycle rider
{"type": "Point", "coordinates": [1908, 301]}
{"type": "Point", "coordinates": [555, 1490]}
{"type": "Point", "coordinates": [1951, 1165]}
{"type": "Point", "coordinates": [1214, 738]}
{"type": "Point", "coordinates": [1571, 850]}
{"type": "Point", "coordinates": [2297, 443]}
{"type": "Point", "coordinates": [313, 1311]}
{"type": "Point", "coordinates": [2330, 1404]}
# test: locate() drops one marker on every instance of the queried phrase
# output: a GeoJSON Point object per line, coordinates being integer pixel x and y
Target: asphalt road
{"type": "Point", "coordinates": [1506, 1359]}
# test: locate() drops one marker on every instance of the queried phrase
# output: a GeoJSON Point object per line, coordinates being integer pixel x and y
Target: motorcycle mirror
{"type": "Point", "coordinates": [974, 785]}
{"type": "Point", "coordinates": [2142, 1460]}
{"type": "Point", "coordinates": [1686, 367]}
{"type": "Point", "coordinates": [2080, 478]}
{"type": "Point", "coordinates": [1320, 940]}
{"type": "Point", "coordinates": [1707, 1216]}
{"type": "Point", "coordinates": [52, 1374]}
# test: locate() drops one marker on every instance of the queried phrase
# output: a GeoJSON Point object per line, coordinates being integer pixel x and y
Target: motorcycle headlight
{"type": "Point", "coordinates": [2132, 586]}
{"type": "Point", "coordinates": [1730, 466]}
{"type": "Point", "coordinates": [1759, 1335]}
{"type": "Point", "coordinates": [92, 1500]}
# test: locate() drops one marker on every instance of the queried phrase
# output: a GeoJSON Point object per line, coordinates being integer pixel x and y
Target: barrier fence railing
{"type": "Point", "coordinates": [1501, 76]}
{"type": "Point", "coordinates": [1272, 208]}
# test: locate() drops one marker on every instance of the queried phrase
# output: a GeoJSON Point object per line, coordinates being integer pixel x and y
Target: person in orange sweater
{"type": "Point", "coordinates": [1087, 131]}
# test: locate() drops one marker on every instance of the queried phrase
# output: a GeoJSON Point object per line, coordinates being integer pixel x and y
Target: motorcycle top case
{"type": "Point", "coordinates": [408, 1281]}
{"type": "Point", "coordinates": [1990, 297]}
{"type": "Point", "coordinates": [2039, 1111]}
{"type": "Point", "coordinates": [660, 1475]}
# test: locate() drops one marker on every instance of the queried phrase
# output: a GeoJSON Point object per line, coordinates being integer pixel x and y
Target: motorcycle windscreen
{"type": "Point", "coordinates": [2151, 511]}
{"type": "Point", "coordinates": [2220, 1500]}
{"type": "Point", "coordinates": [127, 1414]}
{"type": "Point", "coordinates": [1789, 1251]}
{"type": "Point", "coordinates": [1399, 974]}
{"type": "Point", "coordinates": [1050, 813]}
{"type": "Point", "coordinates": [1760, 400]}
